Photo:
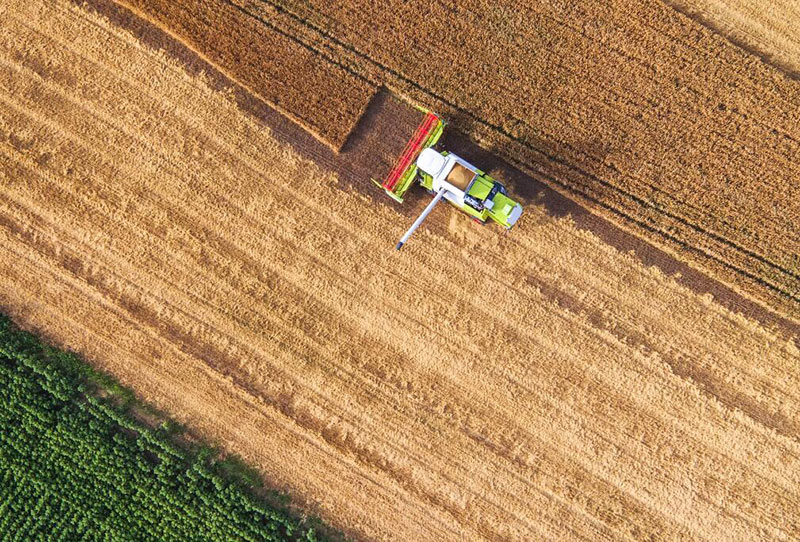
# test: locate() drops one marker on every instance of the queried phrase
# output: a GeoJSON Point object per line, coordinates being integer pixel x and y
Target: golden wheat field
{"type": "Point", "coordinates": [656, 122]}
{"type": "Point", "coordinates": [544, 384]}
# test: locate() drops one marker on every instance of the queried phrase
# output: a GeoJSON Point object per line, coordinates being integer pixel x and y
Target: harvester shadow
{"type": "Point", "coordinates": [522, 186]}
{"type": "Point", "coordinates": [375, 144]}
{"type": "Point", "coordinates": [379, 139]}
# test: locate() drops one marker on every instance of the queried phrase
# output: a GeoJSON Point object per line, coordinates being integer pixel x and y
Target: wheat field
{"type": "Point", "coordinates": [536, 385]}
{"type": "Point", "coordinates": [663, 125]}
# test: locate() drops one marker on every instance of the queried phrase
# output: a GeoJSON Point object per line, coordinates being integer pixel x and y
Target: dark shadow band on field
{"type": "Point", "coordinates": [379, 138]}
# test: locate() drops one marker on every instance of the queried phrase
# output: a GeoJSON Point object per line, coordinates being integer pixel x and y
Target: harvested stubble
{"type": "Point", "coordinates": [649, 117]}
{"type": "Point", "coordinates": [476, 386]}
{"type": "Point", "coordinates": [325, 98]}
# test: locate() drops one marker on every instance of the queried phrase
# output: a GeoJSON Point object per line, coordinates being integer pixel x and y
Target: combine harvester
{"type": "Point", "coordinates": [448, 176]}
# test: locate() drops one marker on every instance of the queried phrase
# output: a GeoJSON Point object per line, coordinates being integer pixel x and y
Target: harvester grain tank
{"type": "Point", "coordinates": [450, 177]}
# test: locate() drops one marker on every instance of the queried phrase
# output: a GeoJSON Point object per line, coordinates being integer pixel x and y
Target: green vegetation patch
{"type": "Point", "coordinates": [76, 465]}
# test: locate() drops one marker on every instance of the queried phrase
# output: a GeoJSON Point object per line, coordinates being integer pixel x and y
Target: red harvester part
{"type": "Point", "coordinates": [412, 150]}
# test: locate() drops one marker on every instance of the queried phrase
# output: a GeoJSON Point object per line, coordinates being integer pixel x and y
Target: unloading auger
{"type": "Point", "coordinates": [447, 176]}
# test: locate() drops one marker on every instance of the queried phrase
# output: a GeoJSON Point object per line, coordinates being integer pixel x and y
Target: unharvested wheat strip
{"type": "Point", "coordinates": [766, 28]}
{"type": "Point", "coordinates": [319, 94]}
{"type": "Point", "coordinates": [622, 14]}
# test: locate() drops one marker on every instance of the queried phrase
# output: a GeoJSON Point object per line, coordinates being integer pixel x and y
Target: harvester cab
{"type": "Point", "coordinates": [449, 177]}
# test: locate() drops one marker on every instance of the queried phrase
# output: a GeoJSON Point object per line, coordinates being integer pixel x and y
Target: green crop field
{"type": "Point", "coordinates": [76, 466]}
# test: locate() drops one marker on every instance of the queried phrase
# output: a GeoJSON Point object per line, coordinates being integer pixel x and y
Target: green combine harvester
{"type": "Point", "coordinates": [448, 176]}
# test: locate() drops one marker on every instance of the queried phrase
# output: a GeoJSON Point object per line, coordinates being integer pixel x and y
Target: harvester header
{"type": "Point", "coordinates": [405, 169]}
{"type": "Point", "coordinates": [447, 176]}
